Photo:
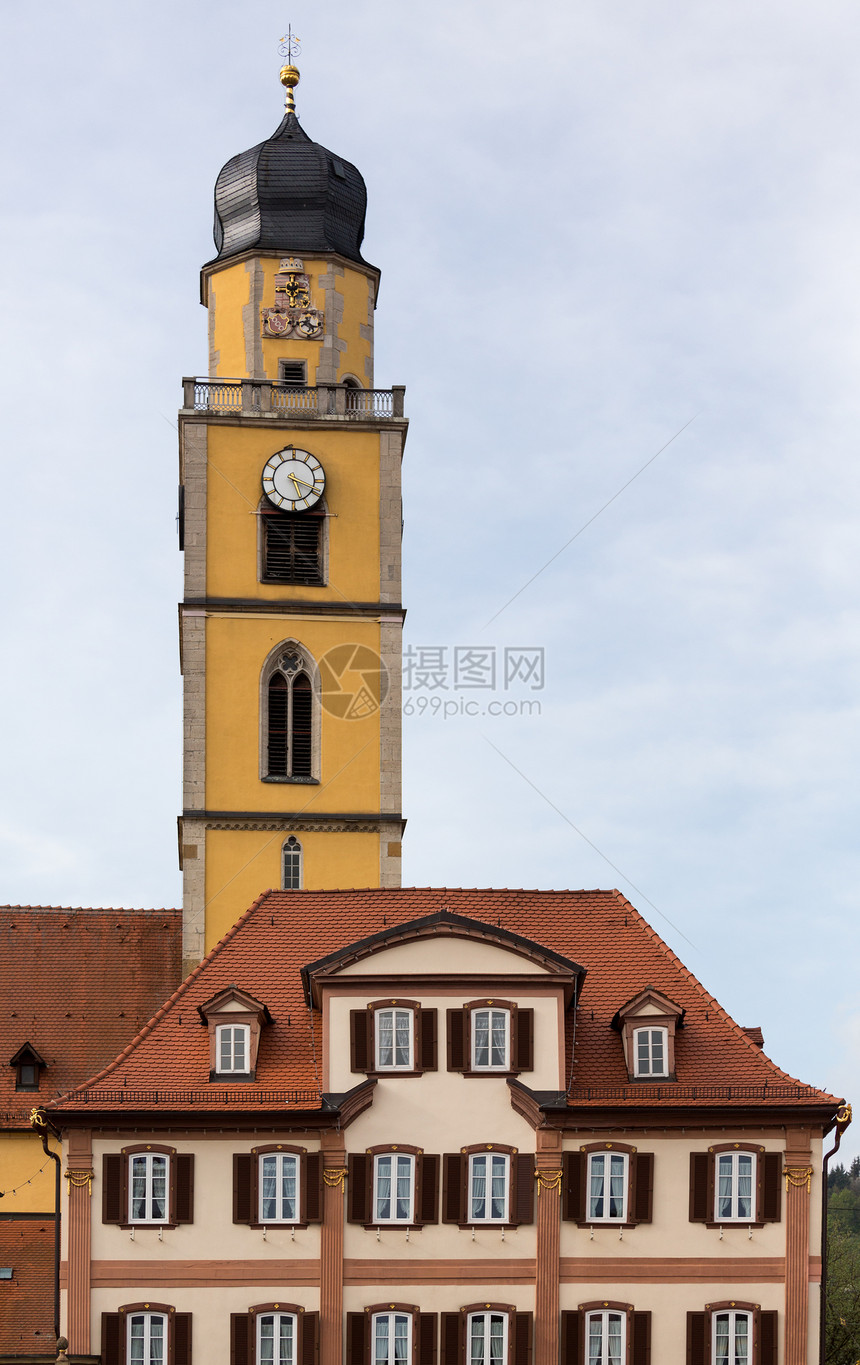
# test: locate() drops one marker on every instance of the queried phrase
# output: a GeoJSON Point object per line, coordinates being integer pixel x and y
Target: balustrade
{"type": "Point", "coordinates": [263, 398]}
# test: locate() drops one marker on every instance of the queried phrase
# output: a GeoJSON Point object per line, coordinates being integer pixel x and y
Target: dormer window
{"type": "Point", "coordinates": [650, 1052]}
{"type": "Point", "coordinates": [491, 1040]}
{"type": "Point", "coordinates": [232, 1048]}
{"type": "Point", "coordinates": [394, 1042]}
{"type": "Point", "coordinates": [648, 1024]}
{"type": "Point", "coordinates": [393, 1037]}
{"type": "Point", "coordinates": [28, 1066]}
{"type": "Point", "coordinates": [234, 1020]}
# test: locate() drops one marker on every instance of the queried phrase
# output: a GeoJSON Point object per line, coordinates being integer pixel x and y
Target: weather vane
{"type": "Point", "coordinates": [290, 47]}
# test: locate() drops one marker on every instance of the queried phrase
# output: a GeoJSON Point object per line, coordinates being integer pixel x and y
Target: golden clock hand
{"type": "Point", "coordinates": [303, 482]}
{"type": "Point", "coordinates": [295, 483]}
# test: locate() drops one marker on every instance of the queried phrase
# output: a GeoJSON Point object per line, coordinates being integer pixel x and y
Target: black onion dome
{"type": "Point", "coordinates": [289, 194]}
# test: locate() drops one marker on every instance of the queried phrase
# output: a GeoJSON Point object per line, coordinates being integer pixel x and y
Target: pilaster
{"type": "Point", "coordinates": [798, 1181]}
{"type": "Point", "coordinates": [548, 1173]}
{"type": "Point", "coordinates": [79, 1179]}
{"type": "Point", "coordinates": [331, 1250]}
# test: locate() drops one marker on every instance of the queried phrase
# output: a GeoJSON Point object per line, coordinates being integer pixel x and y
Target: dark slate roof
{"type": "Point", "coordinates": [289, 194]}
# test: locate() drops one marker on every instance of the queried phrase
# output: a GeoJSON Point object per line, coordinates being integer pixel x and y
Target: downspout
{"type": "Point", "coordinates": [843, 1118]}
{"type": "Point", "coordinates": [40, 1123]}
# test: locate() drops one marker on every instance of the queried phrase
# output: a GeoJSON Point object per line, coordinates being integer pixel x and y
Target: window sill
{"type": "Point", "coordinates": [232, 1077]}
{"type": "Point", "coordinates": [503, 1075]}
{"type": "Point", "coordinates": [276, 1225]}
{"type": "Point", "coordinates": [735, 1223]}
{"type": "Point", "coordinates": [147, 1227]}
{"type": "Point", "coordinates": [652, 1080]}
{"type": "Point", "coordinates": [382, 1073]}
{"type": "Point", "coordinates": [488, 1227]}
{"type": "Point", "coordinates": [294, 781]}
{"type": "Point", "coordinates": [393, 1227]}
{"type": "Point", "coordinates": [610, 1223]}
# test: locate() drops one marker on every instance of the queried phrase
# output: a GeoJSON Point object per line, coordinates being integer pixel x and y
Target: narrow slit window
{"type": "Point", "coordinates": [292, 858]}
{"type": "Point", "coordinates": [289, 740]}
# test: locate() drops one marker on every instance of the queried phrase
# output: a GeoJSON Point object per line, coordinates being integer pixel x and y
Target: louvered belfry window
{"type": "Point", "coordinates": [292, 547]}
{"type": "Point", "coordinates": [290, 728]}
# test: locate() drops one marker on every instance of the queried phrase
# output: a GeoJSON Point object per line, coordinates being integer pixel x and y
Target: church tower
{"type": "Point", "coordinates": [290, 521]}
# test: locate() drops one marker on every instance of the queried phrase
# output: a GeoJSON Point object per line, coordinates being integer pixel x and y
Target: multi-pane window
{"type": "Point", "coordinates": [232, 1043]}
{"type": "Point", "coordinates": [393, 1188]}
{"type": "Point", "coordinates": [491, 1039]}
{"type": "Point", "coordinates": [279, 1188]}
{"type": "Point", "coordinates": [732, 1338]}
{"type": "Point", "coordinates": [488, 1338]}
{"type": "Point", "coordinates": [276, 1339]}
{"type": "Point", "coordinates": [289, 741]}
{"type": "Point", "coordinates": [605, 1338]}
{"type": "Point", "coordinates": [488, 1188]}
{"type": "Point", "coordinates": [292, 865]}
{"type": "Point", "coordinates": [735, 1186]}
{"type": "Point", "coordinates": [650, 1052]}
{"type": "Point", "coordinates": [394, 1039]}
{"type": "Point", "coordinates": [148, 1188]}
{"type": "Point", "coordinates": [147, 1339]}
{"type": "Point", "coordinates": [392, 1335]}
{"type": "Point", "coordinates": [607, 1186]}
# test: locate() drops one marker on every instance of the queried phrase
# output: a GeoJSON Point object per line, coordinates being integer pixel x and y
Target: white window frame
{"type": "Point", "coordinates": [276, 1319]}
{"type": "Point", "coordinates": [486, 1358]}
{"type": "Point", "coordinates": [732, 1314]}
{"type": "Point", "coordinates": [603, 1315]}
{"type": "Point", "coordinates": [474, 1015]}
{"type": "Point", "coordinates": [148, 1320]}
{"type": "Point", "coordinates": [393, 1011]}
{"type": "Point", "coordinates": [280, 1159]}
{"type": "Point", "coordinates": [231, 1070]}
{"type": "Point", "coordinates": [395, 1158]}
{"type": "Point", "coordinates": [148, 1160]}
{"type": "Point", "coordinates": [607, 1158]}
{"type": "Point", "coordinates": [735, 1177]}
{"type": "Point", "coordinates": [490, 1159]}
{"type": "Point", "coordinates": [292, 849]}
{"type": "Point", "coordinates": [648, 1072]}
{"type": "Point", "coordinates": [391, 1357]}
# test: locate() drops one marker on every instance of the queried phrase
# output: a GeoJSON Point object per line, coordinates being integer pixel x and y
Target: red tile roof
{"type": "Point", "coordinates": [78, 985]}
{"type": "Point", "coordinates": [27, 1300]}
{"type": "Point", "coordinates": [168, 1063]}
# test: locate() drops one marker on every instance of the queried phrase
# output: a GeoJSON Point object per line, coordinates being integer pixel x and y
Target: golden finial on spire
{"type": "Point", "coordinates": [289, 75]}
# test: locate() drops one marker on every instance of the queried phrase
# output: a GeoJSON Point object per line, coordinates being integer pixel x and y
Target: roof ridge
{"type": "Point", "coordinates": [163, 1009]}
{"type": "Point", "coordinates": [101, 909]}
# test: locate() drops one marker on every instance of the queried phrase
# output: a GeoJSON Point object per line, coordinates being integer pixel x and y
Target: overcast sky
{"type": "Point", "coordinates": [599, 225]}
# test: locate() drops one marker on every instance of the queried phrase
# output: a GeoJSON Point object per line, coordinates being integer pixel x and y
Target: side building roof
{"type": "Point", "coordinates": [284, 935]}
{"type": "Point", "coordinates": [77, 985]}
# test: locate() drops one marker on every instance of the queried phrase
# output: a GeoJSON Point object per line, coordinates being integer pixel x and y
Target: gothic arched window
{"type": "Point", "coordinates": [291, 855]}
{"type": "Point", "coordinates": [289, 719]}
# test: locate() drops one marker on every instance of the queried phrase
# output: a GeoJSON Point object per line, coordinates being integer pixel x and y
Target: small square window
{"type": "Point", "coordinates": [293, 373]}
{"type": "Point", "coordinates": [5, 1272]}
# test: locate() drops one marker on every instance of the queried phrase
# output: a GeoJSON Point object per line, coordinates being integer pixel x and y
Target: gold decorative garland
{"type": "Point", "coordinates": [78, 1179]}
{"type": "Point", "coordinates": [334, 1177]}
{"type": "Point", "coordinates": [797, 1176]}
{"type": "Point", "coordinates": [548, 1180]}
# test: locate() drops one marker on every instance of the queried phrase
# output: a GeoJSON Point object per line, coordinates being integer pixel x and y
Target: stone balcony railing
{"type": "Point", "coordinates": [264, 398]}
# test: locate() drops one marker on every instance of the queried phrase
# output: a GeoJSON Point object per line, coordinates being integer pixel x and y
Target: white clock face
{"type": "Point", "coordinates": [293, 479]}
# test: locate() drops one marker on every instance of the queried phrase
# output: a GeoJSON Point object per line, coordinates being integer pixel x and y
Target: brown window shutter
{"type": "Point", "coordinates": [522, 1352]}
{"type": "Point", "coordinates": [182, 1167]}
{"type": "Point", "coordinates": [357, 1338]}
{"type": "Point", "coordinates": [113, 1336]}
{"type": "Point", "coordinates": [456, 1040]}
{"type": "Point", "coordinates": [244, 1204]}
{"type": "Point", "coordinates": [428, 1189]}
{"type": "Point", "coordinates": [426, 1340]}
{"type": "Point", "coordinates": [242, 1344]}
{"type": "Point", "coordinates": [572, 1333]}
{"type": "Point", "coordinates": [641, 1339]}
{"type": "Point", "coordinates": [766, 1345]}
{"type": "Point", "coordinates": [360, 1040]}
{"type": "Point", "coordinates": [523, 1058]}
{"type": "Point", "coordinates": [312, 1188]}
{"type": "Point", "coordinates": [643, 1187]}
{"type": "Point", "coordinates": [573, 1186]}
{"type": "Point", "coordinates": [180, 1339]}
{"type": "Point", "coordinates": [697, 1339]}
{"type": "Point", "coordinates": [427, 1028]}
{"type": "Point", "coordinates": [452, 1188]}
{"type": "Point", "coordinates": [523, 1177]}
{"type": "Point", "coordinates": [700, 1180]}
{"type": "Point", "coordinates": [771, 1187]}
{"type": "Point", "coordinates": [309, 1338]}
{"type": "Point", "coordinates": [453, 1350]}
{"type": "Point", "coordinates": [113, 1204]}
{"type": "Point", "coordinates": [359, 1167]}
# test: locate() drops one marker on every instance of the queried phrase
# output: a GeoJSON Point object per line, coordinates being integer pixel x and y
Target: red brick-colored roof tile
{"type": "Point", "coordinates": [168, 1062]}
{"type": "Point", "coordinates": [78, 984]}
{"type": "Point", "coordinates": [27, 1300]}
